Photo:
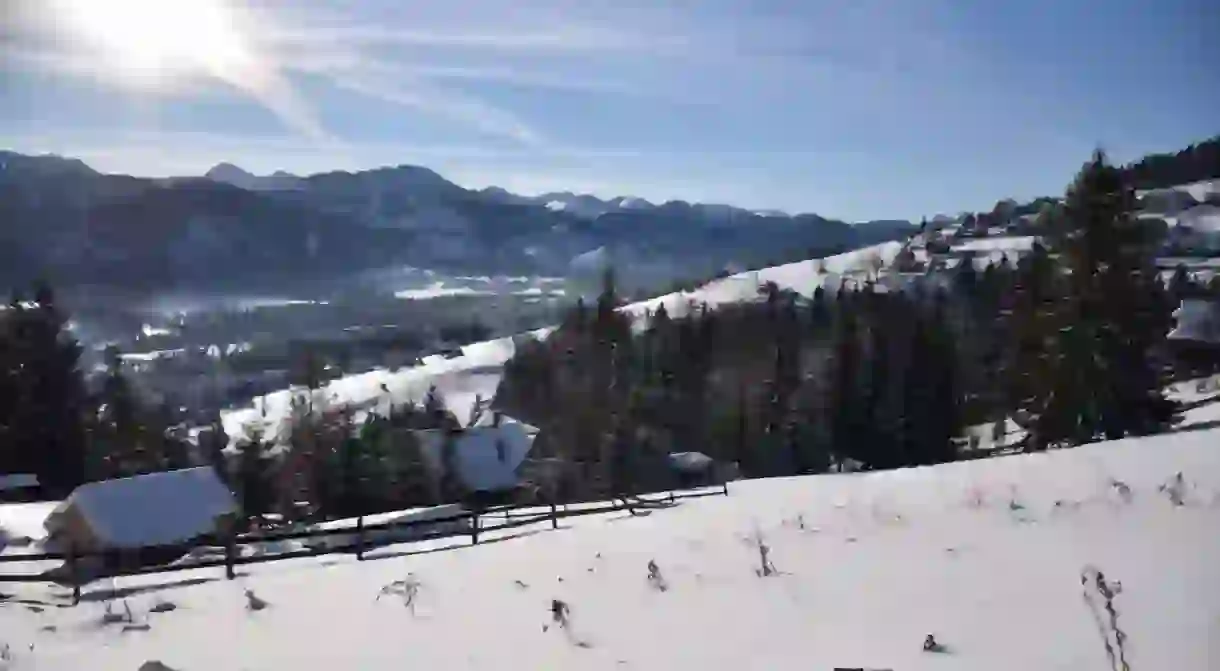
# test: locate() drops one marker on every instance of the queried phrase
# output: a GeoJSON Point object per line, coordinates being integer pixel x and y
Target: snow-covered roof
{"type": "Point", "coordinates": [24, 520]}
{"type": "Point", "coordinates": [1201, 218]}
{"type": "Point", "coordinates": [18, 481]}
{"type": "Point", "coordinates": [1011, 243]}
{"type": "Point", "coordinates": [690, 462]}
{"type": "Point", "coordinates": [1198, 319]}
{"type": "Point", "coordinates": [482, 464]}
{"type": "Point", "coordinates": [153, 509]}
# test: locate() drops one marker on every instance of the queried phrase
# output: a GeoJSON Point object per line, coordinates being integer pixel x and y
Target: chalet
{"type": "Point", "coordinates": [1194, 342]}
{"type": "Point", "coordinates": [138, 521]}
{"type": "Point", "coordinates": [486, 454]}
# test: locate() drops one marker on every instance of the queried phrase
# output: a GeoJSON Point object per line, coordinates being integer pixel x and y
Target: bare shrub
{"type": "Point", "coordinates": [406, 589]}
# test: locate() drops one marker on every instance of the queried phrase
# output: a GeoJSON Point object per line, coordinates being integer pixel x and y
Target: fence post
{"type": "Point", "coordinates": [360, 538]}
{"type": "Point", "coordinates": [230, 550]}
{"type": "Point", "coordinates": [73, 574]}
{"type": "Point", "coordinates": [474, 526]}
{"type": "Point", "coordinates": [554, 516]}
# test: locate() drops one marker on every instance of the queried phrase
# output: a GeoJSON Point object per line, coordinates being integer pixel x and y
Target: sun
{"type": "Point", "coordinates": [158, 40]}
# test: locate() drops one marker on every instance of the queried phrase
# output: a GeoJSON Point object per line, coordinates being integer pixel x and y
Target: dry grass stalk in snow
{"type": "Point", "coordinates": [112, 617]}
{"type": "Point", "coordinates": [253, 603]}
{"type": "Point", "coordinates": [561, 617]}
{"type": "Point", "coordinates": [1175, 489]}
{"type": "Point", "coordinates": [1113, 637]}
{"type": "Point", "coordinates": [766, 569]}
{"type": "Point", "coordinates": [407, 589]}
{"type": "Point", "coordinates": [1123, 490]}
{"type": "Point", "coordinates": [655, 578]}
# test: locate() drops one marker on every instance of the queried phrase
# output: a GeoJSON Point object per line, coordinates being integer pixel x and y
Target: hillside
{"type": "Point", "coordinates": [986, 556]}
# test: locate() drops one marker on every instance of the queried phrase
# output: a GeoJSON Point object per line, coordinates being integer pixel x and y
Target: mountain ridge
{"type": "Point", "coordinates": [581, 204]}
{"type": "Point", "coordinates": [63, 221]}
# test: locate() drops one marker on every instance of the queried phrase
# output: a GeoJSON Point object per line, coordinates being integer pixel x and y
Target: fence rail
{"type": "Point", "coordinates": [514, 516]}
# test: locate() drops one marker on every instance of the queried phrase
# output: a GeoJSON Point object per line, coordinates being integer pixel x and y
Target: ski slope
{"type": "Point", "coordinates": [984, 555]}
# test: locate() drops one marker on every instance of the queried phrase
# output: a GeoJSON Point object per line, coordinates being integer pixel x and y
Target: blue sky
{"type": "Point", "coordinates": [857, 109]}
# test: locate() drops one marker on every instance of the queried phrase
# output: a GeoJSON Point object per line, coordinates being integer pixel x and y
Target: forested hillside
{"type": "Point", "coordinates": [881, 378]}
{"type": "Point", "coordinates": [1196, 163]}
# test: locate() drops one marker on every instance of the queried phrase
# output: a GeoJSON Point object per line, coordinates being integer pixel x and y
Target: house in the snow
{"type": "Point", "coordinates": [480, 460]}
{"type": "Point", "coordinates": [17, 487]}
{"type": "Point", "coordinates": [118, 525]}
{"type": "Point", "coordinates": [696, 469]}
{"type": "Point", "coordinates": [1197, 231]}
{"type": "Point", "coordinates": [1194, 342]}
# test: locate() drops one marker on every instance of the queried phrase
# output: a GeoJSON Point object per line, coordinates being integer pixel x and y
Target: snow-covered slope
{"type": "Point", "coordinates": [484, 360]}
{"type": "Point", "coordinates": [986, 556]}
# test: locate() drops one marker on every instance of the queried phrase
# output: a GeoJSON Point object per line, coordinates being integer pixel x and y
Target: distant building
{"type": "Point", "coordinates": [486, 454]}
{"type": "Point", "coordinates": [1194, 341]}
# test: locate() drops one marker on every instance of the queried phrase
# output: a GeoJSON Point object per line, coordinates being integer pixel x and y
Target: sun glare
{"type": "Point", "coordinates": [158, 39]}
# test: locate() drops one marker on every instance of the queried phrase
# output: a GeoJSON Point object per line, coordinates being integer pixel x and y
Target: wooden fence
{"type": "Point", "coordinates": [512, 516]}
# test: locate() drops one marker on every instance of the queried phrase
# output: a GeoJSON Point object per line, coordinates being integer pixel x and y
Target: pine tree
{"type": "Point", "coordinates": [213, 447]}
{"type": "Point", "coordinates": [44, 423]}
{"type": "Point", "coordinates": [1029, 365]}
{"type": "Point", "coordinates": [121, 445]}
{"type": "Point", "coordinates": [255, 488]}
{"type": "Point", "coordinates": [934, 398]}
{"type": "Point", "coordinates": [1107, 376]}
{"type": "Point", "coordinates": [843, 402]}
{"type": "Point", "coordinates": [1181, 285]}
{"type": "Point", "coordinates": [435, 409]}
{"type": "Point", "coordinates": [819, 312]}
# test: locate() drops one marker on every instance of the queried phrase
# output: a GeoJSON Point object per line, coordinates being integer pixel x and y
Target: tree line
{"type": "Point", "coordinates": [1196, 163]}
{"type": "Point", "coordinates": [1068, 342]}
{"type": "Point", "coordinates": [63, 426]}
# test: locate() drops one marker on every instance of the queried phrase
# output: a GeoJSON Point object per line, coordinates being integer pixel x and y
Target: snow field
{"type": "Point", "coordinates": [986, 555]}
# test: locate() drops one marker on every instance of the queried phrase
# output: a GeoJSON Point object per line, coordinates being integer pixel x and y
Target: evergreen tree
{"type": "Point", "coordinates": [43, 421]}
{"type": "Point", "coordinates": [212, 445]}
{"type": "Point", "coordinates": [933, 399]}
{"type": "Point", "coordinates": [819, 312]}
{"type": "Point", "coordinates": [843, 402]}
{"type": "Point", "coordinates": [253, 477]}
{"type": "Point", "coordinates": [1107, 377]}
{"type": "Point", "coordinates": [1181, 285]}
{"type": "Point", "coordinates": [119, 434]}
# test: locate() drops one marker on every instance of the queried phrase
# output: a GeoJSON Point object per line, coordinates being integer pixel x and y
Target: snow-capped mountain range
{"type": "Point", "coordinates": [231, 227]}
{"type": "Point", "coordinates": [582, 205]}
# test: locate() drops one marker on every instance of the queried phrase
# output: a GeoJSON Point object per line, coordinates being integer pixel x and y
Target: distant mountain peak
{"type": "Point", "coordinates": [229, 173]}
{"type": "Point", "coordinates": [222, 171]}
{"type": "Point", "coordinates": [46, 163]}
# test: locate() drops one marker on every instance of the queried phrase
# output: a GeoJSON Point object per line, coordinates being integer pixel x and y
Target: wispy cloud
{"type": "Point", "coordinates": [420, 58]}
{"type": "Point", "coordinates": [733, 95]}
{"type": "Point", "coordinates": [428, 99]}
